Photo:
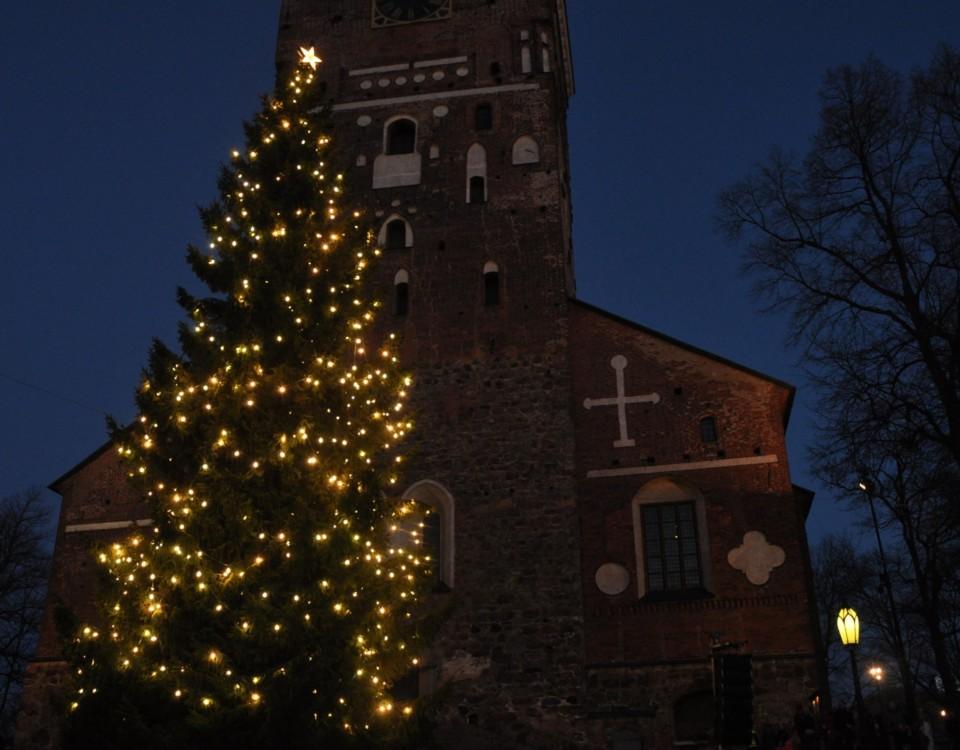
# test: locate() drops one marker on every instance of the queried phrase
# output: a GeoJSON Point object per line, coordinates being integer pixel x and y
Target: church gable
{"type": "Point", "coordinates": [688, 517]}
{"type": "Point", "coordinates": [646, 404]}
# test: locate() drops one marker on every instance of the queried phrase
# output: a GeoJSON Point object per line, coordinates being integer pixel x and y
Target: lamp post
{"type": "Point", "coordinates": [848, 624]}
{"type": "Point", "coordinates": [910, 700]}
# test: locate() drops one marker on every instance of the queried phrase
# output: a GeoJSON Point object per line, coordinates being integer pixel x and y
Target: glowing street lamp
{"type": "Point", "coordinates": [876, 672]}
{"type": "Point", "coordinates": [848, 625]}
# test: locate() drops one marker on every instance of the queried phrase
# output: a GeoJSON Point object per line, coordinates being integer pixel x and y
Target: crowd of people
{"type": "Point", "coordinates": [842, 731]}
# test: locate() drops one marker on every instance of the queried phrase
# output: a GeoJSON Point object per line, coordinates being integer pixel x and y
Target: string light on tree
{"type": "Point", "coordinates": [266, 600]}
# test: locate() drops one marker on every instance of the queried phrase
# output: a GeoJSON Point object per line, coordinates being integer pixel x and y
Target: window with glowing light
{"type": "Point", "coordinates": [671, 541]}
{"type": "Point", "coordinates": [670, 546]}
{"type": "Point", "coordinates": [708, 430]}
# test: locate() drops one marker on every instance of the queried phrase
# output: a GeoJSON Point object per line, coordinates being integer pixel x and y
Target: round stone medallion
{"type": "Point", "coordinates": [612, 578]}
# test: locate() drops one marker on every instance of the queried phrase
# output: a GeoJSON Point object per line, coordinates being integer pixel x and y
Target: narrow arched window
{"type": "Point", "coordinates": [401, 136]}
{"type": "Point", "coordinates": [708, 430]}
{"type": "Point", "coordinates": [430, 526]}
{"type": "Point", "coordinates": [526, 64]}
{"type": "Point", "coordinates": [491, 284]}
{"type": "Point", "coordinates": [396, 238]}
{"type": "Point", "coordinates": [478, 190]}
{"type": "Point", "coordinates": [477, 174]}
{"type": "Point", "coordinates": [401, 293]}
{"type": "Point", "coordinates": [483, 117]}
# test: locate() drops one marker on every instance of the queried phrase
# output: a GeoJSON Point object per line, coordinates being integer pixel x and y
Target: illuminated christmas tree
{"type": "Point", "coordinates": [265, 605]}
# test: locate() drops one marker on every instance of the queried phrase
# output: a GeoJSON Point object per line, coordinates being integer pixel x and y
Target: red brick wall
{"type": "Point", "coordinates": [634, 646]}
{"type": "Point", "coordinates": [96, 493]}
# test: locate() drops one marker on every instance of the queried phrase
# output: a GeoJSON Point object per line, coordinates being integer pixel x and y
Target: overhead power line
{"type": "Point", "coordinates": [53, 394]}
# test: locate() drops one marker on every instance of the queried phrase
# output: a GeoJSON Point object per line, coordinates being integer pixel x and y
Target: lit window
{"type": "Point", "coordinates": [671, 540]}
{"type": "Point", "coordinates": [670, 547]}
{"type": "Point", "coordinates": [708, 430]}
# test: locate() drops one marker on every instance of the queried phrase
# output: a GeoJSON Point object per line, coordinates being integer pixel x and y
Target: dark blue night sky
{"type": "Point", "coordinates": [115, 116]}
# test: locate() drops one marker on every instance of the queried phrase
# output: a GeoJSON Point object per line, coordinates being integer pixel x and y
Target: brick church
{"type": "Point", "coordinates": [616, 516]}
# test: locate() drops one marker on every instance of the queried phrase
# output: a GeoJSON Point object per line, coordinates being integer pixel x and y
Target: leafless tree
{"type": "Point", "coordinates": [24, 564]}
{"type": "Point", "coordinates": [859, 241]}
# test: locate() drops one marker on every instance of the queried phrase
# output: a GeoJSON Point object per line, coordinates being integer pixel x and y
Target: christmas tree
{"type": "Point", "coordinates": [265, 605]}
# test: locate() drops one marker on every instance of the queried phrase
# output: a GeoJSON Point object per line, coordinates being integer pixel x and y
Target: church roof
{"type": "Point", "coordinates": [57, 483]}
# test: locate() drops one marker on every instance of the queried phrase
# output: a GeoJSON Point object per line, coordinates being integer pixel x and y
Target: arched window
{"type": "Point", "coordinates": [483, 117]}
{"type": "Point", "coordinates": [401, 293]}
{"type": "Point", "coordinates": [708, 430]}
{"type": "Point", "coordinates": [396, 233]}
{"type": "Point", "coordinates": [400, 163]}
{"type": "Point", "coordinates": [435, 523]}
{"type": "Point", "coordinates": [671, 540]}
{"type": "Point", "coordinates": [401, 136]}
{"type": "Point", "coordinates": [546, 60]}
{"type": "Point", "coordinates": [526, 150]}
{"type": "Point", "coordinates": [477, 174]}
{"type": "Point", "coordinates": [478, 190]}
{"type": "Point", "coordinates": [491, 284]}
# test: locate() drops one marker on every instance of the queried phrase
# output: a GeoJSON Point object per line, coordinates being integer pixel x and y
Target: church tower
{"type": "Point", "coordinates": [454, 113]}
{"type": "Point", "coordinates": [453, 117]}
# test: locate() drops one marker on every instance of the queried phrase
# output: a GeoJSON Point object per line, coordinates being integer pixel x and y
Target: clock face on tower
{"type": "Point", "coordinates": [392, 12]}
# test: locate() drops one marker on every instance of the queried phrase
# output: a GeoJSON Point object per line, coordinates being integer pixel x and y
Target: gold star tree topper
{"type": "Point", "coordinates": [309, 57]}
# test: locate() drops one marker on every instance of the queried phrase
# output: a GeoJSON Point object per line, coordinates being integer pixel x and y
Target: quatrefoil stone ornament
{"type": "Point", "coordinates": [756, 557]}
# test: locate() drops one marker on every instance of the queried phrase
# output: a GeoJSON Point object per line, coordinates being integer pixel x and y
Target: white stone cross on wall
{"type": "Point", "coordinates": [619, 363]}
